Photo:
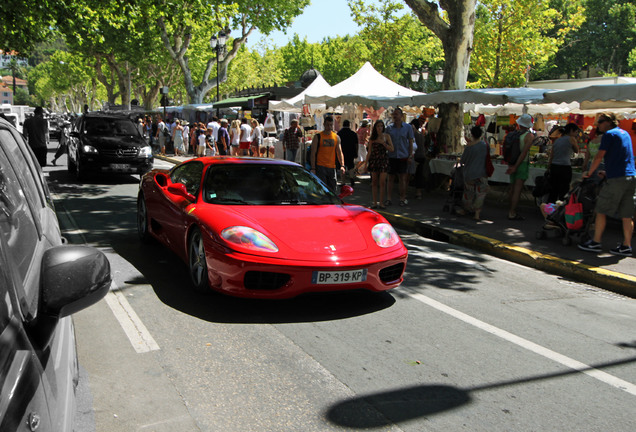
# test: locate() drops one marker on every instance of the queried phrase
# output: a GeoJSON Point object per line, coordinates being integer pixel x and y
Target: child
{"type": "Point", "coordinates": [202, 142]}
{"type": "Point", "coordinates": [209, 140]}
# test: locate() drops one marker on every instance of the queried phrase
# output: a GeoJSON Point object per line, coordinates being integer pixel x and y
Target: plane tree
{"type": "Point", "coordinates": [185, 29]}
{"type": "Point", "coordinates": [453, 22]}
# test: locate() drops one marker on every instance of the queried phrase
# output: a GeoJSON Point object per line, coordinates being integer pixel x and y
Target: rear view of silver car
{"type": "Point", "coordinates": [42, 282]}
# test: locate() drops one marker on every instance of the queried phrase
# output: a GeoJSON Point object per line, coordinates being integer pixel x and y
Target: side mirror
{"type": "Point", "coordinates": [162, 179]}
{"type": "Point", "coordinates": [179, 189]}
{"type": "Point", "coordinates": [345, 191]}
{"type": "Point", "coordinates": [73, 278]}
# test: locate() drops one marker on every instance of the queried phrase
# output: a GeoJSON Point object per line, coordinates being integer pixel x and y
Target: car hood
{"type": "Point", "coordinates": [309, 232]}
{"type": "Point", "coordinates": [114, 141]}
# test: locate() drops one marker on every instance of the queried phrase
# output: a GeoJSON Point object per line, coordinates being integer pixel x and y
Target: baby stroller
{"type": "Point", "coordinates": [541, 188]}
{"type": "Point", "coordinates": [456, 189]}
{"type": "Point", "coordinates": [586, 192]}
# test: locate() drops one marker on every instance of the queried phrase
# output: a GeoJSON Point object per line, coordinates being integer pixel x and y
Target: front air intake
{"type": "Point", "coordinates": [268, 281]}
{"type": "Point", "coordinates": [392, 273]}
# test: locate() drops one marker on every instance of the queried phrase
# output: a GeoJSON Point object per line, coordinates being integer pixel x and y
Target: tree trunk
{"type": "Point", "coordinates": [109, 84]}
{"type": "Point", "coordinates": [122, 73]}
{"type": "Point", "coordinates": [178, 52]}
{"type": "Point", "coordinates": [151, 95]}
{"type": "Point", "coordinates": [456, 35]}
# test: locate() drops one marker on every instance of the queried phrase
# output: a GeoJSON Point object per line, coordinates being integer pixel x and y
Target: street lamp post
{"type": "Point", "coordinates": [439, 75]}
{"type": "Point", "coordinates": [217, 43]}
{"type": "Point", "coordinates": [416, 73]}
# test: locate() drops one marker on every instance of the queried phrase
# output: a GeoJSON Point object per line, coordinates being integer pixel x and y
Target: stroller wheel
{"type": "Point", "coordinates": [540, 235]}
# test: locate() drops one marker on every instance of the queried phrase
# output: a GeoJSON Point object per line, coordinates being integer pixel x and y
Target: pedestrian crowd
{"type": "Point", "coordinates": [400, 152]}
{"type": "Point", "coordinates": [218, 137]}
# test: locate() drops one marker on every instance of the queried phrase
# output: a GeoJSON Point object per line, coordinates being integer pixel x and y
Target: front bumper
{"type": "Point", "coordinates": [247, 276]}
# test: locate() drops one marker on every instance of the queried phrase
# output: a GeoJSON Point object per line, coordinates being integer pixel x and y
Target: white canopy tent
{"type": "Point", "coordinates": [367, 87]}
{"type": "Point", "coordinates": [317, 87]}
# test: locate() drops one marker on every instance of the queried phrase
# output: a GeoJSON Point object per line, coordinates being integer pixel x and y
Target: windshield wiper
{"type": "Point", "coordinates": [230, 200]}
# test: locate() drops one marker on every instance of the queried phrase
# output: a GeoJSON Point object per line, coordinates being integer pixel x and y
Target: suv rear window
{"type": "Point", "coordinates": [104, 127]}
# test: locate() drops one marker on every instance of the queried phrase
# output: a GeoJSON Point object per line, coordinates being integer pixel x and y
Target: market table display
{"type": "Point", "coordinates": [444, 165]}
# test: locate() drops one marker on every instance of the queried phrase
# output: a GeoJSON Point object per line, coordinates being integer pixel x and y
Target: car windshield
{"type": "Point", "coordinates": [110, 127]}
{"type": "Point", "coordinates": [264, 184]}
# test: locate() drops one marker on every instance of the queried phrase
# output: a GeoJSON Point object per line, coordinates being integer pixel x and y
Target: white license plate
{"type": "Point", "coordinates": [120, 167]}
{"type": "Point", "coordinates": [338, 277]}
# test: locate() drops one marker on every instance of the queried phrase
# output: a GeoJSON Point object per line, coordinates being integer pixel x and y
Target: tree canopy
{"type": "Point", "coordinates": [134, 47]}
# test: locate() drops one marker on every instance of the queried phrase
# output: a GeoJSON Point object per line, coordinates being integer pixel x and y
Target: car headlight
{"type": "Point", "coordinates": [249, 238]}
{"type": "Point", "coordinates": [89, 149]}
{"type": "Point", "coordinates": [384, 235]}
{"type": "Point", "coordinates": [145, 152]}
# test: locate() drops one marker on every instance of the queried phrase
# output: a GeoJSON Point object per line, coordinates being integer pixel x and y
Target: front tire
{"type": "Point", "coordinates": [70, 167]}
{"type": "Point", "coordinates": [197, 266]}
{"type": "Point", "coordinates": [80, 172]}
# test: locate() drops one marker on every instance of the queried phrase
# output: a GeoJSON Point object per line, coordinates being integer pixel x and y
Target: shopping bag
{"type": "Point", "coordinates": [490, 168]}
{"type": "Point", "coordinates": [574, 214]}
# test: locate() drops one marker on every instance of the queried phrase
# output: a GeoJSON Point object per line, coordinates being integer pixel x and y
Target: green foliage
{"type": "Point", "coordinates": [44, 50]}
{"type": "Point", "coordinates": [65, 77]}
{"type": "Point", "coordinates": [604, 40]}
{"type": "Point", "coordinates": [396, 41]}
{"type": "Point", "coordinates": [24, 23]}
{"type": "Point", "coordinates": [339, 58]}
{"type": "Point", "coordinates": [261, 67]}
{"type": "Point", "coordinates": [512, 36]}
{"type": "Point", "coordinates": [21, 97]}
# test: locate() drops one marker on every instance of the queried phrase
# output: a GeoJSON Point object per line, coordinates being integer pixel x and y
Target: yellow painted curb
{"type": "Point", "coordinates": [607, 279]}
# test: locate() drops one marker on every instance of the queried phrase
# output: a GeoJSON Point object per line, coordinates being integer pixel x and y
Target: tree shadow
{"type": "Point", "coordinates": [62, 181]}
{"type": "Point", "coordinates": [396, 406]}
{"type": "Point", "coordinates": [455, 269]}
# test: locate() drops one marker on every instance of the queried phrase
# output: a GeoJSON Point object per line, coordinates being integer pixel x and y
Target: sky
{"type": "Point", "coordinates": [320, 19]}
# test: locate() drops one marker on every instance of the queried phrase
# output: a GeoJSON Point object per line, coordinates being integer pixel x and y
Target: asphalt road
{"type": "Point", "coordinates": [468, 342]}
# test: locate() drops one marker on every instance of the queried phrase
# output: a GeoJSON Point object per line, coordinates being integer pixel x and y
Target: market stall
{"type": "Point", "coordinates": [444, 165]}
{"type": "Point", "coordinates": [499, 108]}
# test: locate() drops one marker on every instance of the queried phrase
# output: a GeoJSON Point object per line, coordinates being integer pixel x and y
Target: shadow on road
{"type": "Point", "coordinates": [400, 405]}
{"type": "Point", "coordinates": [168, 276]}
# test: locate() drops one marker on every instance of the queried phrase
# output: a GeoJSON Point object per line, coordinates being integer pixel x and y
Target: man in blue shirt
{"type": "Point", "coordinates": [402, 138]}
{"type": "Point", "coordinates": [617, 195]}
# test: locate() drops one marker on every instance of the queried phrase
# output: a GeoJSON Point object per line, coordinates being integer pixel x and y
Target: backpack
{"type": "Point", "coordinates": [512, 147]}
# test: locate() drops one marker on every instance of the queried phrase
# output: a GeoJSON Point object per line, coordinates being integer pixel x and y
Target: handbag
{"type": "Point", "coordinates": [574, 214]}
{"type": "Point", "coordinates": [490, 168]}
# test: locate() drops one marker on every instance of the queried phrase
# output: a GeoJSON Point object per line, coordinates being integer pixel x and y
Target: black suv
{"type": "Point", "coordinates": [42, 282]}
{"type": "Point", "coordinates": [107, 143]}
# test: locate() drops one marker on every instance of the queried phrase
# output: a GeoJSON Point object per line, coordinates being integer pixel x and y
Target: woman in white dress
{"type": "Point", "coordinates": [177, 139]}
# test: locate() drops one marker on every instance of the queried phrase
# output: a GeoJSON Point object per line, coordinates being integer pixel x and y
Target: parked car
{"type": "Point", "coordinates": [107, 143]}
{"type": "Point", "coordinates": [265, 228]}
{"type": "Point", "coordinates": [42, 282]}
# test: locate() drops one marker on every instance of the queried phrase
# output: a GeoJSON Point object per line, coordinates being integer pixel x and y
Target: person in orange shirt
{"type": "Point", "coordinates": [325, 147]}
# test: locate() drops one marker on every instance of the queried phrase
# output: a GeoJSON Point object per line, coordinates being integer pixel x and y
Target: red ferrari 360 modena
{"type": "Point", "coordinates": [266, 228]}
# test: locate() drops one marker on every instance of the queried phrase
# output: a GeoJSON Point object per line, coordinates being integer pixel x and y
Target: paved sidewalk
{"type": "Point", "coordinates": [511, 240]}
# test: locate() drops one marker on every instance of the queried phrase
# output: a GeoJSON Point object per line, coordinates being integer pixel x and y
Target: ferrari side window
{"type": "Point", "coordinates": [189, 175]}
